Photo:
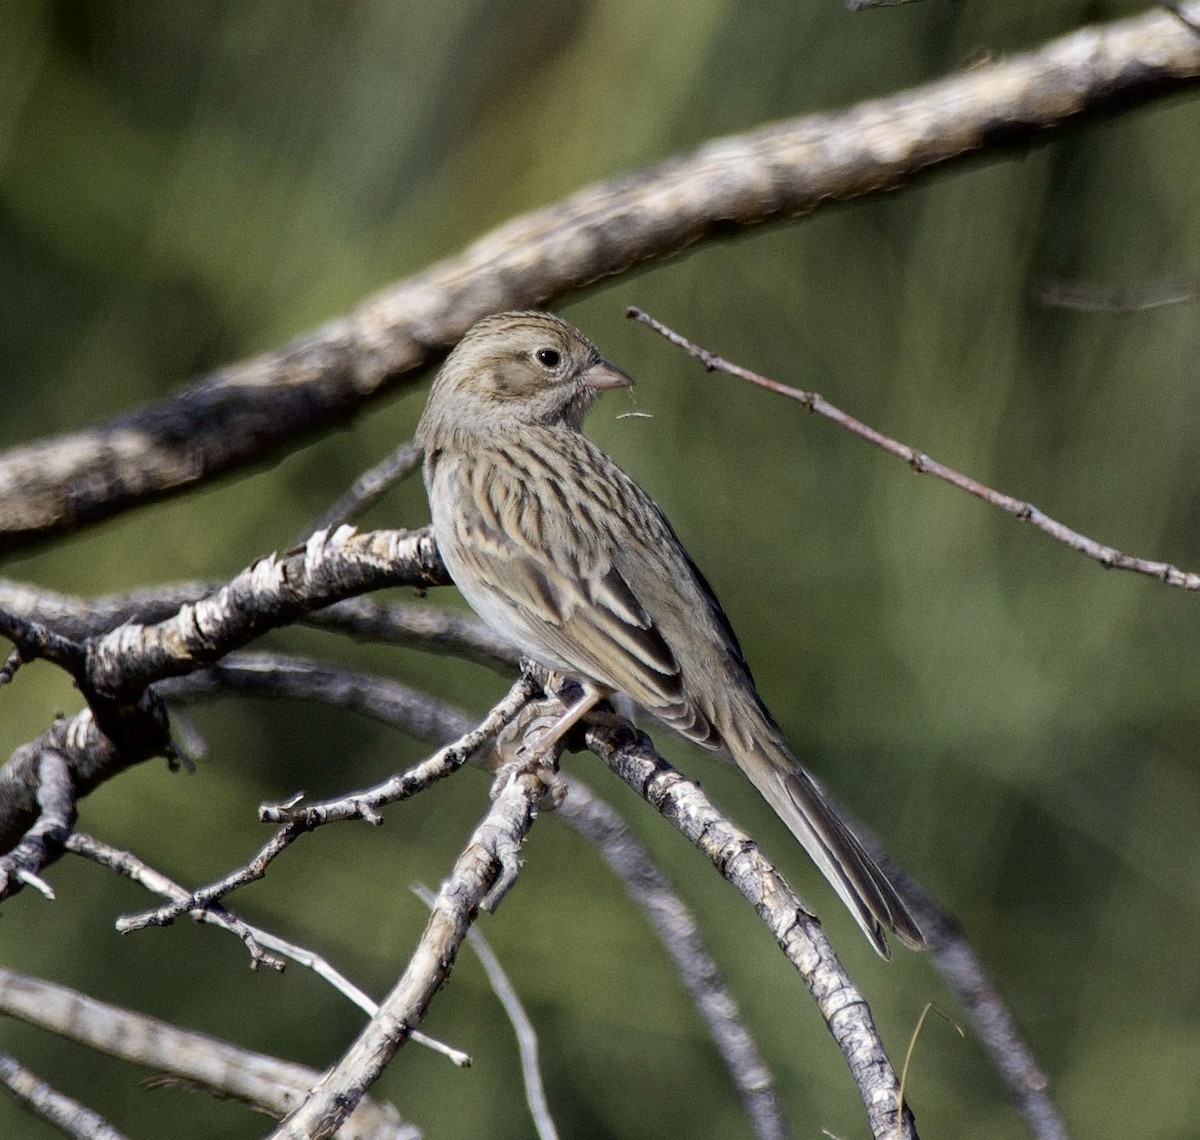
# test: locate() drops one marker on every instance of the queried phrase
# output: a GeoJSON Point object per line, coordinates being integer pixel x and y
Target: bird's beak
{"type": "Point", "coordinates": [601, 376]}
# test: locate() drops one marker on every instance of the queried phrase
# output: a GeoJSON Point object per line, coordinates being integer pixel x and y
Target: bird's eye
{"type": "Point", "coordinates": [548, 356]}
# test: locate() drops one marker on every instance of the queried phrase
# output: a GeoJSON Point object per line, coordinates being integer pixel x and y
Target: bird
{"type": "Point", "coordinates": [567, 558]}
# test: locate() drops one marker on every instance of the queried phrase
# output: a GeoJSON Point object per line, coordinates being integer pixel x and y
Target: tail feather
{"type": "Point", "coordinates": [837, 852]}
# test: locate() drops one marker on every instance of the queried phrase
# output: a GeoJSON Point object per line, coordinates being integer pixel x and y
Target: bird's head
{"type": "Point", "coordinates": [518, 369]}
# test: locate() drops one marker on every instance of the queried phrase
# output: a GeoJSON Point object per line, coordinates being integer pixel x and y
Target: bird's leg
{"type": "Point", "coordinates": [540, 737]}
{"type": "Point", "coordinates": [590, 697]}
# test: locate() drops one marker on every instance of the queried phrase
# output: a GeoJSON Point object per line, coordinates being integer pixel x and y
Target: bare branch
{"type": "Point", "coordinates": [388, 701]}
{"type": "Point", "coordinates": [444, 762]}
{"type": "Point", "coordinates": [368, 487]}
{"type": "Point", "coordinates": [951, 953]}
{"type": "Point", "coordinates": [78, 618]}
{"type": "Point", "coordinates": [281, 675]}
{"type": "Point", "coordinates": [125, 722]}
{"type": "Point", "coordinates": [91, 754]}
{"type": "Point", "coordinates": [1107, 556]}
{"type": "Point", "coordinates": [527, 1043]}
{"type": "Point", "coordinates": [420, 627]}
{"type": "Point", "coordinates": [298, 821]}
{"type": "Point", "coordinates": [487, 861]}
{"type": "Point", "coordinates": [255, 938]}
{"type": "Point", "coordinates": [54, 795]}
{"type": "Point", "coordinates": [65, 1114]}
{"type": "Point", "coordinates": [799, 935]}
{"type": "Point", "coordinates": [780, 171]}
{"type": "Point", "coordinates": [33, 641]}
{"type": "Point", "coordinates": [268, 1084]}
{"type": "Point", "coordinates": [271, 593]}
{"type": "Point", "coordinates": [426, 628]}
{"type": "Point", "coordinates": [677, 928]}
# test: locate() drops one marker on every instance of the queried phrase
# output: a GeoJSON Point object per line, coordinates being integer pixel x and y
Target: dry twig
{"type": "Point", "coordinates": [922, 464]}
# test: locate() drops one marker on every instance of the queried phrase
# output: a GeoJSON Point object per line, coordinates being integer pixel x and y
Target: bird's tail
{"type": "Point", "coordinates": [798, 801]}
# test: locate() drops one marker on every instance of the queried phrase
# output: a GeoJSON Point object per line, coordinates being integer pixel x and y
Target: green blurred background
{"type": "Point", "coordinates": [185, 184]}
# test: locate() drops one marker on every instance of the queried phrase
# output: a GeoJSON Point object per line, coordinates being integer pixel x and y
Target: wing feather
{"type": "Point", "coordinates": [556, 550]}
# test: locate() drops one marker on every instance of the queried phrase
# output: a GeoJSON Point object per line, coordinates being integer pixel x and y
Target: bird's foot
{"type": "Point", "coordinates": [530, 743]}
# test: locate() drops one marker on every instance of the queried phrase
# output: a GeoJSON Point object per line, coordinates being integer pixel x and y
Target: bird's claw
{"type": "Point", "coordinates": [519, 748]}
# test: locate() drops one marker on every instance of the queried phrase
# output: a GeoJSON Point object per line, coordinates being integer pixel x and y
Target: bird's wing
{"type": "Point", "coordinates": [589, 570]}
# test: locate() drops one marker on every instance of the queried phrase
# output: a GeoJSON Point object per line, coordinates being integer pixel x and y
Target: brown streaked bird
{"type": "Point", "coordinates": [560, 552]}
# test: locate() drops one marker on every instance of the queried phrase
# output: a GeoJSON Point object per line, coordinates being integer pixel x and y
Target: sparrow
{"type": "Point", "coordinates": [566, 557]}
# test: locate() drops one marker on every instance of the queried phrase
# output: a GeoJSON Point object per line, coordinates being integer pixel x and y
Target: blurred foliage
{"type": "Point", "coordinates": [184, 184]}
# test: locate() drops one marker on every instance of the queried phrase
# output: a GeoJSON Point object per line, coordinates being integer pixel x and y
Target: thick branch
{"type": "Point", "coordinates": [271, 593]}
{"type": "Point", "coordinates": [268, 1083]}
{"type": "Point", "coordinates": [421, 627]}
{"type": "Point", "coordinates": [125, 723]}
{"type": "Point", "coordinates": [250, 410]}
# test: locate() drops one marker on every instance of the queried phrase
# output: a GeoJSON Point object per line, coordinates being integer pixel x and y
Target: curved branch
{"type": "Point", "coordinates": [268, 1083]}
{"type": "Point", "coordinates": [250, 410]}
{"type": "Point", "coordinates": [797, 931]}
{"type": "Point", "coordinates": [679, 933]}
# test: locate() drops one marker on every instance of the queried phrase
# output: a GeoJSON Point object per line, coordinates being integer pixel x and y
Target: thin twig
{"type": "Point", "coordinates": [679, 932]}
{"type": "Point", "coordinates": [527, 1042]}
{"type": "Point", "coordinates": [368, 487]}
{"type": "Point", "coordinates": [298, 820]}
{"type": "Point", "coordinates": [1108, 557]}
{"type": "Point", "coordinates": [442, 763]}
{"type": "Point", "coordinates": [255, 938]}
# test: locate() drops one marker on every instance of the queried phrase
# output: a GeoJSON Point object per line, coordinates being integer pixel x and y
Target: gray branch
{"type": "Point", "coordinates": [784, 170]}
{"type": "Point", "coordinates": [195, 1058]}
{"type": "Point", "coordinates": [797, 931]}
{"type": "Point", "coordinates": [488, 860]}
